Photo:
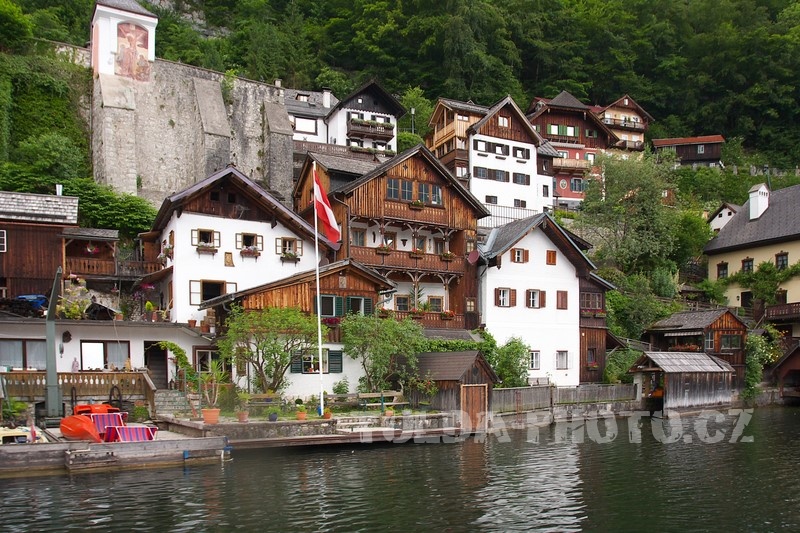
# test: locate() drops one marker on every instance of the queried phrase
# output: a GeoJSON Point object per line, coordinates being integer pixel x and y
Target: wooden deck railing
{"type": "Point", "coordinates": [521, 399]}
{"type": "Point", "coordinates": [403, 259]}
{"type": "Point", "coordinates": [30, 385]}
{"type": "Point", "coordinates": [109, 267]}
{"type": "Point", "coordinates": [791, 310]}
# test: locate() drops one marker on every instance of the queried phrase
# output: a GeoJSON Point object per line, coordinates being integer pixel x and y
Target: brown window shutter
{"type": "Point", "coordinates": [525, 256]}
{"type": "Point", "coordinates": [528, 298]}
{"type": "Point", "coordinates": [497, 297]}
{"type": "Point", "coordinates": [541, 298]}
{"type": "Point", "coordinates": [513, 297]}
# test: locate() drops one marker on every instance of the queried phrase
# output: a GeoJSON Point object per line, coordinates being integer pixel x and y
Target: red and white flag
{"type": "Point", "coordinates": [323, 208]}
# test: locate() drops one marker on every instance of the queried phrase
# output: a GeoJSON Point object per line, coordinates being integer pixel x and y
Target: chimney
{"type": "Point", "coordinates": [759, 200]}
{"type": "Point", "coordinates": [59, 189]}
{"type": "Point", "coordinates": [278, 82]}
{"type": "Point", "coordinates": [326, 97]}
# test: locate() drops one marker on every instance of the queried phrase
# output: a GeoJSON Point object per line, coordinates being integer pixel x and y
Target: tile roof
{"type": "Point", "coordinates": [448, 366]}
{"type": "Point", "coordinates": [126, 5]}
{"type": "Point", "coordinates": [468, 107]}
{"type": "Point", "coordinates": [96, 234]}
{"type": "Point", "coordinates": [778, 223]}
{"type": "Point", "coordinates": [40, 208]}
{"type": "Point", "coordinates": [350, 165]}
{"type": "Point", "coordinates": [676, 362]}
{"type": "Point", "coordinates": [312, 107]}
{"type": "Point", "coordinates": [658, 143]}
{"type": "Point", "coordinates": [689, 320]}
{"type": "Point", "coordinates": [565, 99]}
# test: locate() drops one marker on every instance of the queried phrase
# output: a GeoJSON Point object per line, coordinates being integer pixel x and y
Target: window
{"type": "Point", "coordinates": [2, 240]}
{"type": "Point", "coordinates": [502, 122]}
{"type": "Point", "coordinates": [592, 134]}
{"type": "Point", "coordinates": [205, 237]}
{"type": "Point", "coordinates": [461, 172]}
{"type": "Point", "coordinates": [358, 305]}
{"type": "Point", "coordinates": [701, 149]}
{"type": "Point", "coordinates": [561, 299]}
{"type": "Point", "coordinates": [379, 145]}
{"type": "Point", "coordinates": [522, 179]}
{"type": "Point", "coordinates": [390, 239]}
{"type": "Point", "coordinates": [355, 142]}
{"type": "Point", "coordinates": [782, 261]}
{"type": "Point", "coordinates": [747, 265]}
{"type": "Point", "coordinates": [353, 114]}
{"type": "Point", "coordinates": [591, 300]}
{"type": "Point", "coordinates": [249, 240]}
{"type": "Point", "coordinates": [213, 196]}
{"type": "Point", "coordinates": [436, 195]}
{"type": "Point", "coordinates": [519, 255]}
{"type": "Point", "coordinates": [471, 305]}
{"type": "Point", "coordinates": [562, 360]}
{"type": "Point", "coordinates": [402, 303]}
{"type": "Point", "coordinates": [505, 297]}
{"type": "Point", "coordinates": [406, 191]}
{"type": "Point", "coordinates": [591, 358]}
{"type": "Point", "coordinates": [546, 191]}
{"type": "Point", "coordinates": [202, 290]}
{"type": "Point", "coordinates": [708, 341]}
{"type": "Point", "coordinates": [571, 131]}
{"type": "Point", "coordinates": [305, 125]}
{"type": "Point", "coordinates": [589, 157]}
{"type": "Point", "coordinates": [3, 290]}
{"type": "Point", "coordinates": [463, 118]}
{"type": "Point", "coordinates": [534, 299]}
{"type": "Point", "coordinates": [481, 172]}
{"type": "Point", "coordinates": [501, 175]}
{"type": "Point", "coordinates": [310, 362]}
{"type": "Point", "coordinates": [438, 246]}
{"type": "Point", "coordinates": [98, 355]}
{"type": "Point", "coordinates": [552, 129]}
{"type": "Point", "coordinates": [392, 188]}
{"type": "Point", "coordinates": [329, 305]}
{"type": "Point", "coordinates": [535, 360]}
{"type": "Point", "coordinates": [522, 153]}
{"type": "Point", "coordinates": [424, 192]}
{"type": "Point", "coordinates": [491, 200]}
{"type": "Point", "coordinates": [551, 257]}
{"type": "Point", "coordinates": [481, 146]}
{"type": "Point", "coordinates": [421, 243]}
{"type": "Point", "coordinates": [500, 149]}
{"type": "Point", "coordinates": [731, 342]}
{"type": "Point", "coordinates": [358, 237]}
{"type": "Point", "coordinates": [563, 155]}
{"type": "Point", "coordinates": [23, 354]}
{"type": "Point", "coordinates": [520, 203]}
{"type": "Point", "coordinates": [301, 97]}
{"type": "Point", "coordinates": [576, 185]}
{"type": "Point", "coordinates": [436, 304]}
{"type": "Point", "coordinates": [722, 270]}
{"type": "Point", "coordinates": [288, 245]}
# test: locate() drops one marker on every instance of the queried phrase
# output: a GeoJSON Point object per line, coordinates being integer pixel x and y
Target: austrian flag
{"type": "Point", "coordinates": [323, 208]}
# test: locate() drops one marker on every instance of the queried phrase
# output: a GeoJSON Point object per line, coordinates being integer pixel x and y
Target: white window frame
{"type": "Point", "coordinates": [502, 121]}
{"type": "Point", "coordinates": [504, 297]}
{"type": "Point", "coordinates": [3, 241]}
{"type": "Point", "coordinates": [305, 125]}
{"type": "Point", "coordinates": [533, 301]}
{"type": "Point", "coordinates": [535, 360]}
{"type": "Point", "coordinates": [562, 360]}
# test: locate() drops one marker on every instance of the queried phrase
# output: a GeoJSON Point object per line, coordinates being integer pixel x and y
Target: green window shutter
{"type": "Point", "coordinates": [338, 306]}
{"type": "Point", "coordinates": [367, 306]}
{"type": "Point", "coordinates": [297, 364]}
{"type": "Point", "coordinates": [562, 129]}
{"type": "Point", "coordinates": [335, 362]}
{"type": "Point", "coordinates": [348, 301]}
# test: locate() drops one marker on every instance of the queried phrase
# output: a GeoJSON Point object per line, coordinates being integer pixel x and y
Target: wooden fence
{"type": "Point", "coordinates": [528, 398]}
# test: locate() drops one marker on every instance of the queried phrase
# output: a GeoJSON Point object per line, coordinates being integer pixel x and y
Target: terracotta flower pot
{"type": "Point", "coordinates": [301, 415]}
{"type": "Point", "coordinates": [210, 416]}
{"type": "Point", "coordinates": [243, 416]}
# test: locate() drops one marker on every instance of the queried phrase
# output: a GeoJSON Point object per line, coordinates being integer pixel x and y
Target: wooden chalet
{"type": "Point", "coordinates": [695, 151]}
{"type": "Point", "coordinates": [596, 341]}
{"type": "Point", "coordinates": [718, 332]}
{"type": "Point", "coordinates": [411, 221]}
{"type": "Point", "coordinates": [787, 373]}
{"type": "Point", "coordinates": [464, 381]}
{"type": "Point", "coordinates": [577, 134]}
{"type": "Point", "coordinates": [628, 120]}
{"type": "Point", "coordinates": [689, 379]}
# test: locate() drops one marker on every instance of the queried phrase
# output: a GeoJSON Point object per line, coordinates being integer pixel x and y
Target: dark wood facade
{"type": "Point", "coordinates": [595, 340]}
{"type": "Point", "coordinates": [449, 227]}
{"type": "Point", "coordinates": [704, 151]}
{"type": "Point", "coordinates": [33, 253]}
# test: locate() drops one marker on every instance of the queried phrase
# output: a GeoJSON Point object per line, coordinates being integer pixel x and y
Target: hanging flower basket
{"type": "Point", "coordinates": [383, 250]}
{"type": "Point", "coordinates": [250, 251]}
{"type": "Point", "coordinates": [447, 315]}
{"type": "Point", "coordinates": [91, 249]}
{"type": "Point", "coordinates": [447, 256]}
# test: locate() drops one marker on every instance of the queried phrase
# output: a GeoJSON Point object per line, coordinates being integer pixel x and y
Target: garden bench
{"type": "Point", "coordinates": [341, 400]}
{"type": "Point", "coordinates": [265, 400]}
{"type": "Point", "coordinates": [390, 399]}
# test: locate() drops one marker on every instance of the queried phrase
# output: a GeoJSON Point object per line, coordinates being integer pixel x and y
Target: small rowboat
{"type": "Point", "coordinates": [19, 435]}
{"type": "Point", "coordinates": [80, 425]}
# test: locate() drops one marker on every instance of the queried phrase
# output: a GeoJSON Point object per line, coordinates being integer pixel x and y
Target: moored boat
{"type": "Point", "coordinates": [79, 427]}
{"type": "Point", "coordinates": [20, 435]}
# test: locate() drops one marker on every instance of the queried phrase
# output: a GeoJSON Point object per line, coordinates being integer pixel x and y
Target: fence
{"type": "Point", "coordinates": [541, 397]}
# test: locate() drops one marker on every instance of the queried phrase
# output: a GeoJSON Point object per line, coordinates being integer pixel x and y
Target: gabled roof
{"type": "Point", "coordinates": [639, 108]}
{"type": "Point", "coordinates": [391, 102]}
{"type": "Point", "coordinates": [547, 149]}
{"type": "Point", "coordinates": [682, 362]}
{"type": "Point", "coordinates": [283, 214]}
{"type": "Point", "coordinates": [508, 102]}
{"type": "Point", "coordinates": [691, 320]}
{"type": "Point", "coordinates": [131, 6]}
{"type": "Point", "coordinates": [451, 366]}
{"type": "Point", "coordinates": [566, 102]}
{"type": "Point", "coordinates": [94, 234]}
{"type": "Point", "coordinates": [779, 223]}
{"type": "Point", "coordinates": [310, 106]}
{"type": "Point", "coordinates": [341, 170]}
{"type": "Point", "coordinates": [725, 205]}
{"type": "Point", "coordinates": [302, 277]}
{"type": "Point", "coordinates": [457, 105]}
{"type": "Point", "coordinates": [434, 161]}
{"type": "Point", "coordinates": [38, 208]}
{"type": "Point", "coordinates": [503, 238]}
{"type": "Point", "coordinates": [707, 139]}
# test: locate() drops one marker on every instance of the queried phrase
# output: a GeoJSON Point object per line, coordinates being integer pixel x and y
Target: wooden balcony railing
{"type": "Point", "coordinates": [783, 311]}
{"type": "Point", "coordinates": [433, 319]}
{"type": "Point", "coordinates": [83, 266]}
{"type": "Point", "coordinates": [30, 385]}
{"type": "Point", "coordinates": [370, 131]}
{"type": "Point", "coordinates": [403, 259]}
{"type": "Point", "coordinates": [625, 124]}
{"type": "Point", "coordinates": [565, 162]}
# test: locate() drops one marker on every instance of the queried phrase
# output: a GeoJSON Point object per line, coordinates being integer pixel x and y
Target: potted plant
{"type": "Point", "coordinates": [417, 252]}
{"type": "Point", "coordinates": [385, 313]}
{"type": "Point", "coordinates": [211, 383]}
{"type": "Point", "coordinates": [250, 251]}
{"type": "Point", "coordinates": [301, 412]}
{"type": "Point", "coordinates": [416, 204]}
{"type": "Point", "coordinates": [383, 249]}
{"type": "Point", "coordinates": [148, 310]}
{"type": "Point", "coordinates": [242, 405]}
{"type": "Point", "coordinates": [447, 315]}
{"type": "Point", "coordinates": [205, 247]}
{"type": "Point", "coordinates": [327, 413]}
{"type": "Point", "coordinates": [272, 415]}
{"type": "Point", "coordinates": [448, 256]}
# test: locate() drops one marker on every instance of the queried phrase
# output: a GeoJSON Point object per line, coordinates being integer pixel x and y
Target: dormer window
{"type": "Point", "coordinates": [301, 97]}
{"type": "Point", "coordinates": [502, 121]}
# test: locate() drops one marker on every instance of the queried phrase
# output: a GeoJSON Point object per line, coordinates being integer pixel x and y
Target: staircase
{"type": "Point", "coordinates": [171, 402]}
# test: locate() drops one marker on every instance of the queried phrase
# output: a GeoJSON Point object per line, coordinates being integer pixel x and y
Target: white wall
{"type": "Point", "coordinates": [546, 329]}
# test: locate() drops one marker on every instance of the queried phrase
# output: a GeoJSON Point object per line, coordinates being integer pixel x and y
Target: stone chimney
{"type": "Point", "coordinates": [326, 98]}
{"type": "Point", "coordinates": [759, 200]}
{"type": "Point", "coordinates": [278, 82]}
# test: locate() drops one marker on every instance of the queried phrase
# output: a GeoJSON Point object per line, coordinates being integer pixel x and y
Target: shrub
{"type": "Point", "coordinates": [341, 387]}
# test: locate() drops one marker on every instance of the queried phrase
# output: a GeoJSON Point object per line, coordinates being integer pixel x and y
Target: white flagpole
{"type": "Point", "coordinates": [319, 297]}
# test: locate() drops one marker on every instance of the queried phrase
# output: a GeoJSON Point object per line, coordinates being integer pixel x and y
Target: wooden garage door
{"type": "Point", "coordinates": [474, 404]}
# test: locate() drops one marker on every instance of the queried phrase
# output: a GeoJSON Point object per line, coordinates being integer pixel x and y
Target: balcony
{"type": "Point", "coordinates": [783, 312]}
{"type": "Point", "coordinates": [89, 267]}
{"type": "Point", "coordinates": [625, 124]}
{"type": "Point", "coordinates": [502, 214]}
{"type": "Point", "coordinates": [565, 162]}
{"type": "Point", "coordinates": [357, 128]}
{"type": "Point", "coordinates": [402, 259]}
{"type": "Point", "coordinates": [630, 145]}
{"type": "Point", "coordinates": [431, 319]}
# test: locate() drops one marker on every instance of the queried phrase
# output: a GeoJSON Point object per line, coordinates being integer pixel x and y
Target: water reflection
{"type": "Point", "coordinates": [555, 484]}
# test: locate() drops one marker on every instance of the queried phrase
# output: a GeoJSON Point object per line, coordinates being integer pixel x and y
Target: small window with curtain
{"type": "Point", "coordinates": [722, 270]}
{"type": "Point", "coordinates": [781, 261]}
{"type": "Point", "coordinates": [562, 360]}
{"type": "Point", "coordinates": [535, 360]}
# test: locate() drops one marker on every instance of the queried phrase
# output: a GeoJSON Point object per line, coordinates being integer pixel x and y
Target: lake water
{"type": "Point", "coordinates": [507, 482]}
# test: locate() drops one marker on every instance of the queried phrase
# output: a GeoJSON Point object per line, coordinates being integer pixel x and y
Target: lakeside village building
{"type": "Point", "coordinates": [462, 220]}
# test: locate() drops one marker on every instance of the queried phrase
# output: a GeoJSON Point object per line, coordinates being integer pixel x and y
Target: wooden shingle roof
{"type": "Point", "coordinates": [450, 366]}
{"type": "Point", "coordinates": [689, 320]}
{"type": "Point", "coordinates": [39, 208]}
{"type": "Point", "coordinates": [682, 362]}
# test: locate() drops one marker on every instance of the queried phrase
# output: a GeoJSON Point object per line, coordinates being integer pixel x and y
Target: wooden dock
{"type": "Point", "coordinates": [358, 436]}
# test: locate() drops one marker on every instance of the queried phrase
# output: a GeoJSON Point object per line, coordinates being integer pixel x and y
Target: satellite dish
{"type": "Point", "coordinates": [472, 258]}
{"type": "Point", "coordinates": [324, 261]}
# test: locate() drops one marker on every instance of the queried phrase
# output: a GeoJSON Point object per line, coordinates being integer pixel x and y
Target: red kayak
{"type": "Point", "coordinates": [79, 427]}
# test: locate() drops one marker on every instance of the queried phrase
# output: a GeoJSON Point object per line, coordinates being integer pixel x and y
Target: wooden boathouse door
{"type": "Point", "coordinates": [474, 406]}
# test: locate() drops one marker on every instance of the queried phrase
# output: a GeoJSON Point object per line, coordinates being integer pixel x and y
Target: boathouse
{"type": "Point", "coordinates": [787, 372]}
{"type": "Point", "coordinates": [689, 379]}
{"type": "Point", "coordinates": [464, 381]}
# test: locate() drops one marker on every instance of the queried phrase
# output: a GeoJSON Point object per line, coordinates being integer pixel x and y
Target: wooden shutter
{"type": "Point", "coordinates": [513, 297]}
{"type": "Point", "coordinates": [525, 256]}
{"type": "Point", "coordinates": [528, 298]}
{"type": "Point", "coordinates": [239, 240]}
{"type": "Point", "coordinates": [338, 306]}
{"type": "Point", "coordinates": [497, 297]}
{"type": "Point", "coordinates": [367, 306]}
{"type": "Point", "coordinates": [335, 365]}
{"type": "Point", "coordinates": [541, 299]}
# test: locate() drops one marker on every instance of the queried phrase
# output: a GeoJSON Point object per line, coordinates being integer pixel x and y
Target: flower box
{"type": "Point", "coordinates": [289, 257]}
{"type": "Point", "coordinates": [416, 205]}
{"type": "Point", "coordinates": [250, 252]}
{"type": "Point", "coordinates": [447, 315]}
{"type": "Point", "coordinates": [205, 249]}
{"type": "Point", "coordinates": [592, 366]}
{"type": "Point", "coordinates": [416, 254]}
{"type": "Point", "coordinates": [383, 250]}
{"type": "Point", "coordinates": [448, 256]}
{"type": "Point", "coordinates": [600, 314]}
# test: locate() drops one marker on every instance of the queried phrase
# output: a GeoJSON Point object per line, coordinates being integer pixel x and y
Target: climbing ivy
{"type": "Point", "coordinates": [764, 281]}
